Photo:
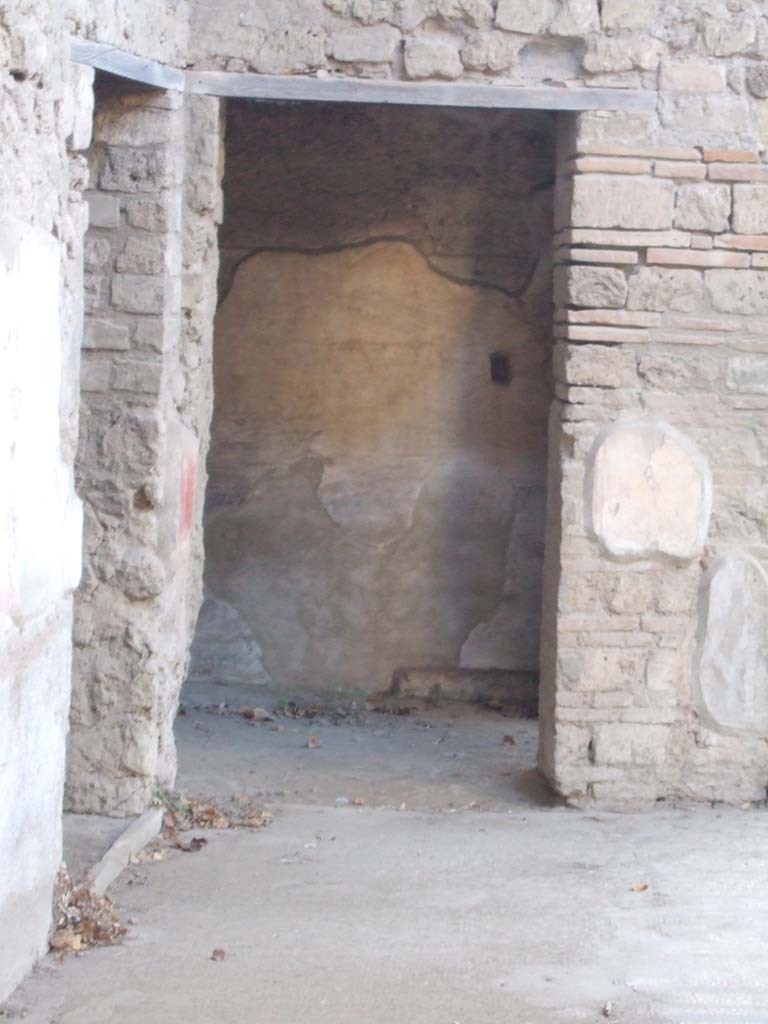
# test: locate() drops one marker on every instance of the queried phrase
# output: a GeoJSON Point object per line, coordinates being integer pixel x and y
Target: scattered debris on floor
{"type": "Point", "coordinates": [218, 955]}
{"type": "Point", "coordinates": [81, 919]}
{"type": "Point", "coordinates": [184, 813]}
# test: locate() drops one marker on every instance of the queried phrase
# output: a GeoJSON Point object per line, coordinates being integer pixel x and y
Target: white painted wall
{"type": "Point", "coordinates": [40, 541]}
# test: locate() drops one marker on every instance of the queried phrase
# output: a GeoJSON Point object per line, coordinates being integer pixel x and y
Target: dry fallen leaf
{"type": "Point", "coordinates": [256, 714]}
{"type": "Point", "coordinates": [640, 887]}
{"type": "Point", "coordinates": [313, 742]}
{"type": "Point", "coordinates": [82, 919]}
{"type": "Point", "coordinates": [508, 738]}
{"type": "Point", "coordinates": [218, 954]}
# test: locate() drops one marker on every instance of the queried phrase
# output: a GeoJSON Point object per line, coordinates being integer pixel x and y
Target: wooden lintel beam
{"type": "Point", "coordinates": [331, 89]}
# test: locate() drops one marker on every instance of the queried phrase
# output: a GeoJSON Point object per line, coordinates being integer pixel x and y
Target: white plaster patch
{"type": "Point", "coordinates": [732, 646]}
{"type": "Point", "coordinates": [40, 515]}
{"type": "Point", "coordinates": [649, 491]}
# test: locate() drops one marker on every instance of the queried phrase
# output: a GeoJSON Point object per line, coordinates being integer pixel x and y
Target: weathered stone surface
{"type": "Point", "coordinates": [374, 45]}
{"type": "Point", "coordinates": [728, 36]}
{"type": "Point", "coordinates": [477, 13]}
{"type": "Point", "coordinates": [575, 18]}
{"type": "Point", "coordinates": [622, 53]}
{"type": "Point", "coordinates": [748, 375]}
{"type": "Point", "coordinates": [661, 289]}
{"type": "Point", "coordinates": [595, 366]}
{"type": "Point", "coordinates": [757, 81]}
{"type": "Point", "coordinates": [650, 492]}
{"type": "Point", "coordinates": [704, 114]}
{"type": "Point", "coordinates": [731, 677]}
{"type": "Point", "coordinates": [595, 287]}
{"type": "Point", "coordinates": [750, 209]}
{"type": "Point", "coordinates": [432, 59]}
{"type": "Point", "coordinates": [738, 291]}
{"type": "Point", "coordinates": [617, 201]}
{"type": "Point", "coordinates": [528, 16]}
{"type": "Point", "coordinates": [106, 334]}
{"type": "Point", "coordinates": [491, 51]}
{"type": "Point", "coordinates": [627, 15]}
{"type": "Point", "coordinates": [703, 207]}
{"type": "Point", "coordinates": [691, 77]}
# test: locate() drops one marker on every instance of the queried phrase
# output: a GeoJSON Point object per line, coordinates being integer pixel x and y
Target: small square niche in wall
{"type": "Point", "coordinates": [500, 368]}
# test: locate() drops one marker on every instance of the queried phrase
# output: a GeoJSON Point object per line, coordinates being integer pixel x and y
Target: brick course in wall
{"type": "Point", "coordinates": [661, 329]}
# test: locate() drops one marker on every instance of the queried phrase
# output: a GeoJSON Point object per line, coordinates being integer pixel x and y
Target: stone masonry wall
{"type": "Point", "coordinates": [44, 120]}
{"type": "Point", "coordinates": [710, 51]}
{"type": "Point", "coordinates": [145, 396]}
{"type": "Point", "coordinates": [655, 675]}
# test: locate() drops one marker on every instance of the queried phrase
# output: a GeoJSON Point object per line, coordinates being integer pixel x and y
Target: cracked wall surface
{"type": "Point", "coordinates": [375, 501]}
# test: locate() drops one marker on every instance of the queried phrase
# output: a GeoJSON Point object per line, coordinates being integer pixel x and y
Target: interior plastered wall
{"type": "Point", "coordinates": [376, 502]}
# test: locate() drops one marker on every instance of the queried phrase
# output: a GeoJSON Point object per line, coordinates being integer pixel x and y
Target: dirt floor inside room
{"type": "Point", "coordinates": [382, 366]}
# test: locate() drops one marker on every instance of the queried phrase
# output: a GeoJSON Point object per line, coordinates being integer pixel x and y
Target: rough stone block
{"type": "Point", "coordinates": [96, 252]}
{"type": "Point", "coordinates": [138, 293]}
{"type": "Point", "coordinates": [525, 16]}
{"type": "Point", "coordinates": [622, 53]}
{"type": "Point", "coordinates": [750, 209]}
{"type": "Point", "coordinates": [138, 376]}
{"type": "Point", "coordinates": [150, 214]}
{"type": "Point", "coordinates": [650, 491]}
{"type": "Point", "coordinates": [738, 291]}
{"type": "Point", "coordinates": [477, 13]}
{"type": "Point", "coordinates": [136, 170]}
{"type": "Point", "coordinates": [103, 211]}
{"type": "Point", "coordinates": [142, 255]}
{"type": "Point", "coordinates": [94, 374]}
{"type": "Point", "coordinates": [630, 744]}
{"type": "Point", "coordinates": [757, 81]}
{"type": "Point", "coordinates": [105, 334]}
{"type": "Point", "coordinates": [660, 289]}
{"type": "Point", "coordinates": [747, 375]}
{"type": "Point", "coordinates": [595, 366]}
{"type": "Point", "coordinates": [626, 15]}
{"type": "Point", "coordinates": [427, 58]}
{"type": "Point", "coordinates": [375, 45]}
{"type": "Point", "coordinates": [491, 51]}
{"type": "Point", "coordinates": [704, 113]}
{"type": "Point", "coordinates": [731, 674]}
{"type": "Point", "coordinates": [727, 36]}
{"type": "Point", "coordinates": [692, 77]}
{"type": "Point", "coordinates": [599, 287]}
{"type": "Point", "coordinates": [590, 671]}
{"type": "Point", "coordinates": [622, 202]}
{"type": "Point", "coordinates": [703, 207]}
{"type": "Point", "coordinates": [576, 18]}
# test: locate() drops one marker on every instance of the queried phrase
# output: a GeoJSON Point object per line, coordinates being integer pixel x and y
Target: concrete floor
{"type": "Point", "coordinates": [448, 913]}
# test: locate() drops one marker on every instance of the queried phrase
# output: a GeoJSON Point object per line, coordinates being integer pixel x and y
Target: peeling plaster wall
{"type": "Point", "coordinates": [375, 501]}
